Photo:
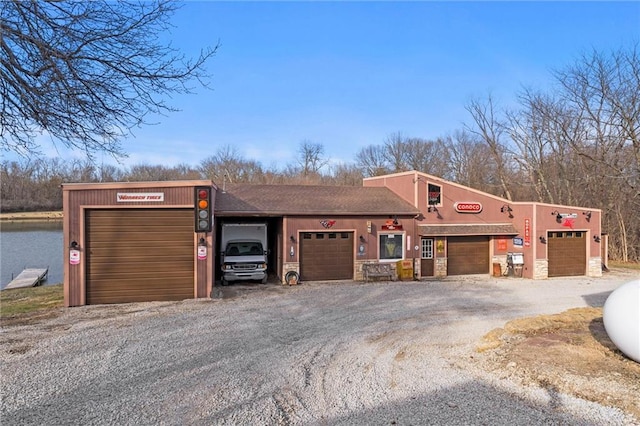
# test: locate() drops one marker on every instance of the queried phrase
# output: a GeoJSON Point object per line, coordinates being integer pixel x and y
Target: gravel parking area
{"type": "Point", "coordinates": [314, 354]}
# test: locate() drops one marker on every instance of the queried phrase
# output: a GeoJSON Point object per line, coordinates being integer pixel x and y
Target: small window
{"type": "Point", "coordinates": [434, 197]}
{"type": "Point", "coordinates": [306, 236]}
{"type": "Point", "coordinates": [427, 248]}
{"type": "Point", "coordinates": [569, 234]}
{"type": "Point", "coordinates": [319, 236]}
{"type": "Point", "coordinates": [559, 235]}
{"type": "Point", "coordinates": [391, 246]}
{"type": "Point", "coordinates": [579, 234]}
{"type": "Point", "coordinates": [344, 235]}
{"type": "Point", "coordinates": [332, 236]}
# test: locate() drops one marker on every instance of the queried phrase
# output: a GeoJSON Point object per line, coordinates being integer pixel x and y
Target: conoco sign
{"type": "Point", "coordinates": [467, 207]}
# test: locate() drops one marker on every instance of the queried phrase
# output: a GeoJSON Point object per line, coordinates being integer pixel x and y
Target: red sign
{"type": "Point", "coordinates": [468, 207]}
{"type": "Point", "coordinates": [392, 227]}
{"type": "Point", "coordinates": [527, 232]}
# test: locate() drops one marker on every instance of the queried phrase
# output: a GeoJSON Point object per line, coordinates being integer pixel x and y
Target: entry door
{"type": "Point", "coordinates": [426, 261]}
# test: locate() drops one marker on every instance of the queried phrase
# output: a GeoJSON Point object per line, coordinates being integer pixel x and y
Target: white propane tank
{"type": "Point", "coordinates": [621, 317]}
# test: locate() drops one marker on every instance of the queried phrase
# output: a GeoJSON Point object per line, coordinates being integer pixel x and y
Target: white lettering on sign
{"type": "Point", "coordinates": [468, 207]}
{"type": "Point", "coordinates": [139, 197]}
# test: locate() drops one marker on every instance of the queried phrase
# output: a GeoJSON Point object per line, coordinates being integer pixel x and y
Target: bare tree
{"type": "Point", "coordinates": [604, 89]}
{"type": "Point", "coordinates": [468, 164]}
{"type": "Point", "coordinates": [426, 156]}
{"type": "Point", "coordinates": [490, 129]}
{"type": "Point", "coordinates": [311, 158]}
{"type": "Point", "coordinates": [227, 165]}
{"type": "Point", "coordinates": [603, 92]}
{"type": "Point", "coordinates": [372, 160]}
{"type": "Point", "coordinates": [87, 72]}
{"type": "Point", "coordinates": [530, 129]}
{"type": "Point", "coordinates": [396, 150]}
{"type": "Point", "coordinates": [345, 174]}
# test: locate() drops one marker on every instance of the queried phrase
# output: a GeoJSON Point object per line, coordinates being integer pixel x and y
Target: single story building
{"type": "Point", "coordinates": [134, 242]}
{"type": "Point", "coordinates": [143, 241]}
{"type": "Point", "coordinates": [473, 231]}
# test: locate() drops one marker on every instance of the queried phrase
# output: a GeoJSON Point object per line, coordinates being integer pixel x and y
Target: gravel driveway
{"type": "Point", "coordinates": [314, 354]}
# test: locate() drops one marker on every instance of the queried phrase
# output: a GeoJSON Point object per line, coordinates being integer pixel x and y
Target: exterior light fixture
{"type": "Point", "coordinates": [507, 209]}
{"type": "Point", "coordinates": [434, 209]}
{"type": "Point", "coordinates": [362, 240]}
{"type": "Point", "coordinates": [543, 240]}
{"type": "Point", "coordinates": [558, 216]}
{"type": "Point", "coordinates": [587, 215]}
{"type": "Point", "coordinates": [596, 238]}
{"type": "Point", "coordinates": [74, 245]}
{"type": "Point", "coordinates": [292, 238]}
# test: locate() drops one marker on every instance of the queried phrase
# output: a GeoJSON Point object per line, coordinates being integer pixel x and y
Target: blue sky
{"type": "Point", "coordinates": [348, 74]}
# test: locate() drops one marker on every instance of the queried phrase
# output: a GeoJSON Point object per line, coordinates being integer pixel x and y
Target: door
{"type": "Point", "coordinates": [567, 253]}
{"type": "Point", "coordinates": [467, 255]}
{"type": "Point", "coordinates": [426, 258]}
{"type": "Point", "coordinates": [326, 256]}
{"type": "Point", "coordinates": [139, 255]}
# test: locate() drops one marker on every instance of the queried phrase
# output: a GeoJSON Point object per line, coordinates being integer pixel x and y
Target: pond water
{"type": "Point", "coordinates": [31, 245]}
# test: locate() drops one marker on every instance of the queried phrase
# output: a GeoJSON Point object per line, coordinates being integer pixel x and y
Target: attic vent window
{"type": "Point", "coordinates": [434, 198]}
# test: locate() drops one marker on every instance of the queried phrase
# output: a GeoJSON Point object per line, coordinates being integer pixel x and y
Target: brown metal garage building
{"type": "Point", "coordinates": [134, 242]}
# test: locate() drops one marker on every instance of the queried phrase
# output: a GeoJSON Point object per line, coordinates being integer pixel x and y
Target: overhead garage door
{"type": "Point", "coordinates": [567, 253]}
{"type": "Point", "coordinates": [137, 255]}
{"type": "Point", "coordinates": [467, 255]}
{"type": "Point", "coordinates": [326, 256]}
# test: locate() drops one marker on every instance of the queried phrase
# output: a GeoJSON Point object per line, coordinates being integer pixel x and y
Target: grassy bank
{"type": "Point", "coordinates": [30, 216]}
{"type": "Point", "coordinates": [27, 300]}
{"type": "Point", "coordinates": [624, 265]}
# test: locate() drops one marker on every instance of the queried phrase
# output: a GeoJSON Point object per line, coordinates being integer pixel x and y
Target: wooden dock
{"type": "Point", "coordinates": [30, 277]}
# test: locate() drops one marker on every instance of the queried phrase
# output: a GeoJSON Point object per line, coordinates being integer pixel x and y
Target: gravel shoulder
{"type": "Point", "coordinates": [319, 353]}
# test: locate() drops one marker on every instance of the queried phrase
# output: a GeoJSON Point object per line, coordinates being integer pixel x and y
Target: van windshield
{"type": "Point", "coordinates": [244, 249]}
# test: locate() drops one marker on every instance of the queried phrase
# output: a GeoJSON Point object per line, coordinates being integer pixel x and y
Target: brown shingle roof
{"type": "Point", "coordinates": [239, 199]}
{"type": "Point", "coordinates": [471, 229]}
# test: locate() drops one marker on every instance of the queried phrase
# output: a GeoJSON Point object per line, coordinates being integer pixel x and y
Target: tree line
{"type": "Point", "coordinates": [578, 144]}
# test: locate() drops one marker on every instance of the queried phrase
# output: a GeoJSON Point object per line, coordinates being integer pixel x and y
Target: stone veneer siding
{"type": "Point", "coordinates": [440, 267]}
{"type": "Point", "coordinates": [595, 267]}
{"type": "Point", "coordinates": [541, 269]}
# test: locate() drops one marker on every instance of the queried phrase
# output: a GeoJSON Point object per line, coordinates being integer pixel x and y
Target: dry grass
{"type": "Point", "coordinates": [569, 352]}
{"type": "Point", "coordinates": [30, 216]}
{"type": "Point", "coordinates": [625, 265]}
